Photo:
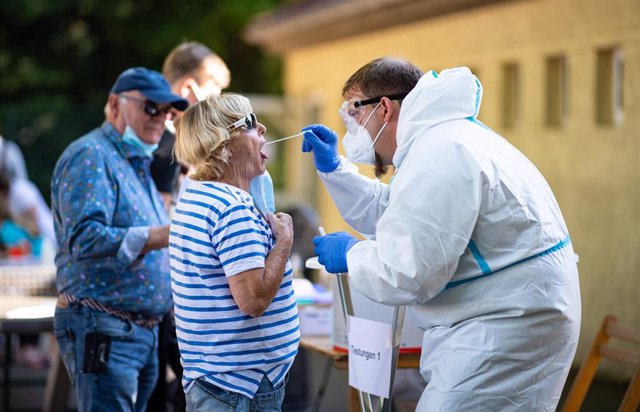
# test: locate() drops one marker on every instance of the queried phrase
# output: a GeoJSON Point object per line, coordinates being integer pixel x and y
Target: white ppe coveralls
{"type": "Point", "coordinates": [470, 235]}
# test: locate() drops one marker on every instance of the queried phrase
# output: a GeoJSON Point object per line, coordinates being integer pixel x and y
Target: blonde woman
{"type": "Point", "coordinates": [236, 315]}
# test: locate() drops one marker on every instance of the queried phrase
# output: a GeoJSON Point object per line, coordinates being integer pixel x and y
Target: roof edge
{"type": "Point", "coordinates": [317, 21]}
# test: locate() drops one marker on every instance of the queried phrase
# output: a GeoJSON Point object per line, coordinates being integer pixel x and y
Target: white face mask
{"type": "Point", "coordinates": [357, 143]}
{"type": "Point", "coordinates": [197, 92]}
{"type": "Point", "coordinates": [201, 93]}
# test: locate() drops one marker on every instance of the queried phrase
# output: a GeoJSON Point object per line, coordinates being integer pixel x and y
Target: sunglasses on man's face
{"type": "Point", "coordinates": [248, 122]}
{"type": "Point", "coordinates": [152, 108]}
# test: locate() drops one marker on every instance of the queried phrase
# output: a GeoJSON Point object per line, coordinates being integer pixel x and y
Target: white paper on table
{"type": "Point", "coordinates": [45, 310]}
{"type": "Point", "coordinates": [370, 353]}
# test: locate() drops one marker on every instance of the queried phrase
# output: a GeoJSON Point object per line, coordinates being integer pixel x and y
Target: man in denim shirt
{"type": "Point", "coordinates": [112, 232]}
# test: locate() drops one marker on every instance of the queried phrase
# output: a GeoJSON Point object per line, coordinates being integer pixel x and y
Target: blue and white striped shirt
{"type": "Point", "coordinates": [217, 232]}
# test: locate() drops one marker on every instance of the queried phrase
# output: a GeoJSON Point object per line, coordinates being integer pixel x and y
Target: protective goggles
{"type": "Point", "coordinates": [351, 112]}
{"type": "Point", "coordinates": [152, 108]}
{"type": "Point", "coordinates": [248, 122]}
{"type": "Point", "coordinates": [355, 109]}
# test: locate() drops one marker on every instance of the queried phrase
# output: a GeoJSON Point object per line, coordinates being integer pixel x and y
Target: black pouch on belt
{"type": "Point", "coordinates": [96, 352]}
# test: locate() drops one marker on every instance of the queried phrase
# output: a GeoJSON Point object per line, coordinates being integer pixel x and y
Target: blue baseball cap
{"type": "Point", "coordinates": [151, 84]}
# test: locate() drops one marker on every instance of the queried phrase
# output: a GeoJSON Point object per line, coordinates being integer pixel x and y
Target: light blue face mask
{"type": "Point", "coordinates": [261, 189]}
{"type": "Point", "coordinates": [144, 149]}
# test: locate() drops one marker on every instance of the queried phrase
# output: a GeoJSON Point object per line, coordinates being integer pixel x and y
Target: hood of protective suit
{"type": "Point", "coordinates": [437, 98]}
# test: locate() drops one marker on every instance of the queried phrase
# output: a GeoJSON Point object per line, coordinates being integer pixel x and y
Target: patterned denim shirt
{"type": "Point", "coordinates": [103, 202]}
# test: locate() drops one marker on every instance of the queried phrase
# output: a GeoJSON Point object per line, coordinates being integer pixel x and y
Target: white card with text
{"type": "Point", "coordinates": [370, 353]}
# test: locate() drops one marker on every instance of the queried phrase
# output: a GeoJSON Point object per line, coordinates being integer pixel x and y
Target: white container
{"type": "Point", "coordinates": [315, 320]}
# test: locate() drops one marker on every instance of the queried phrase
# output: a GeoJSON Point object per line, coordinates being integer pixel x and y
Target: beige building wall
{"type": "Point", "coordinates": [593, 170]}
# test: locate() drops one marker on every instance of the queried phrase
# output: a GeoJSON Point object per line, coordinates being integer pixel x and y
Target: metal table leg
{"type": "Point", "coordinates": [7, 369]}
{"type": "Point", "coordinates": [397, 323]}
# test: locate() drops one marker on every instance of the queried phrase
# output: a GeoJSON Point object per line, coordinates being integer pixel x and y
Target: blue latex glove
{"type": "Point", "coordinates": [332, 250]}
{"type": "Point", "coordinates": [323, 142]}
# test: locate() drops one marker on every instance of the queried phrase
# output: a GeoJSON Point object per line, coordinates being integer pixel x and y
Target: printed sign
{"type": "Point", "coordinates": [370, 353]}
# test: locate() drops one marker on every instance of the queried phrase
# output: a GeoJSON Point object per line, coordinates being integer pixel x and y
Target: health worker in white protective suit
{"type": "Point", "coordinates": [467, 232]}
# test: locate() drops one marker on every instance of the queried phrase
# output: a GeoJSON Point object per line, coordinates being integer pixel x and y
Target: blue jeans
{"type": "Point", "coordinates": [131, 369]}
{"type": "Point", "coordinates": [204, 396]}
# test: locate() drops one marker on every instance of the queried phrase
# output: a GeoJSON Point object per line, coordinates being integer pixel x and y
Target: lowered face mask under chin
{"type": "Point", "coordinates": [144, 149]}
{"type": "Point", "coordinates": [261, 189]}
{"type": "Point", "coordinates": [357, 143]}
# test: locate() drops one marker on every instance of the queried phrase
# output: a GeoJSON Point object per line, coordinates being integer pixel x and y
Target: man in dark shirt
{"type": "Point", "coordinates": [194, 73]}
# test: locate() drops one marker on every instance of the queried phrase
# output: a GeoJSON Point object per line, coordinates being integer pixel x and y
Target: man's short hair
{"type": "Point", "coordinates": [384, 76]}
{"type": "Point", "coordinates": [190, 59]}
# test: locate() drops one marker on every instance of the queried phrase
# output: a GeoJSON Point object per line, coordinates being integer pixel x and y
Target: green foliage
{"type": "Point", "coordinates": [59, 58]}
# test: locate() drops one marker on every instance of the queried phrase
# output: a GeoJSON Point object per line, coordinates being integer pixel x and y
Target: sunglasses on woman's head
{"type": "Point", "coordinates": [248, 122]}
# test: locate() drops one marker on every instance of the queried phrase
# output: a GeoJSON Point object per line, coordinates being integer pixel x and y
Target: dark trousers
{"type": "Point", "coordinates": [168, 354]}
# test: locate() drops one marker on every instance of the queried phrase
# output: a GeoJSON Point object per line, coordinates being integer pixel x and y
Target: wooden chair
{"type": "Point", "coordinates": [602, 348]}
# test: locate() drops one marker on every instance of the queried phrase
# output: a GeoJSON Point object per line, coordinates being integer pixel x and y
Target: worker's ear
{"type": "Point", "coordinates": [388, 108]}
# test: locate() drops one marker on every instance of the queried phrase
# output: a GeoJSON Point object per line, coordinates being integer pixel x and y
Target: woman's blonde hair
{"type": "Point", "coordinates": [202, 135]}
